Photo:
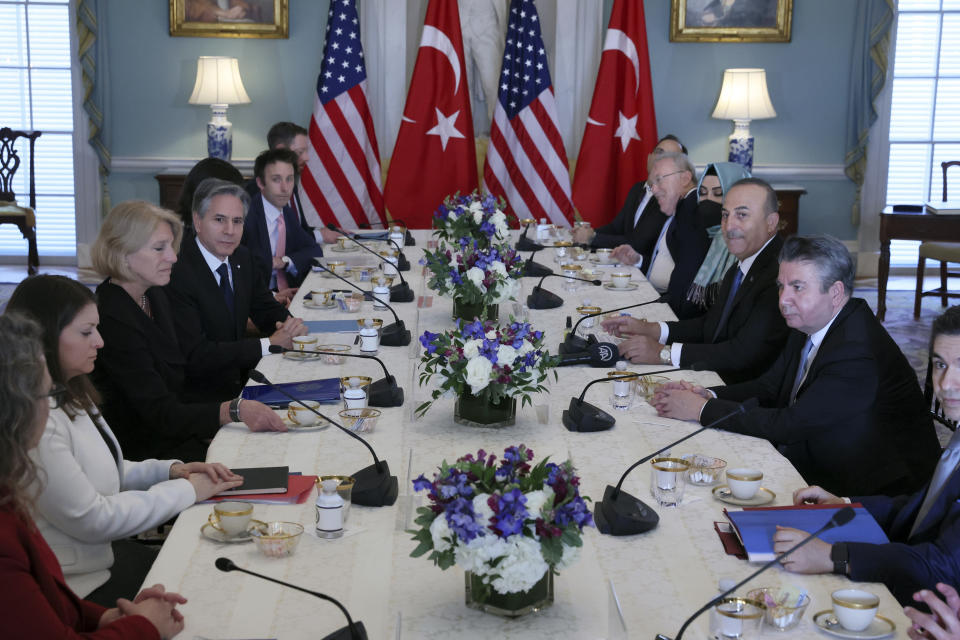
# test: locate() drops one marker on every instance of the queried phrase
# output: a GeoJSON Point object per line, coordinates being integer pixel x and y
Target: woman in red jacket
{"type": "Point", "coordinates": [37, 603]}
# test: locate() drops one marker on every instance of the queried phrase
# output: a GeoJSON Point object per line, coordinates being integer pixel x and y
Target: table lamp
{"type": "Point", "coordinates": [219, 85]}
{"type": "Point", "coordinates": [743, 97]}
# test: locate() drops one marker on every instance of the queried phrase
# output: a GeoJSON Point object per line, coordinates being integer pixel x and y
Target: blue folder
{"type": "Point", "coordinates": [331, 326]}
{"type": "Point", "coordinates": [755, 527]}
{"type": "Point", "coordinates": [325, 390]}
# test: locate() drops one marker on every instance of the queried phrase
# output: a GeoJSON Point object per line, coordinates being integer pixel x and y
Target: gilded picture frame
{"type": "Point", "coordinates": [239, 18]}
{"type": "Point", "coordinates": [730, 20]}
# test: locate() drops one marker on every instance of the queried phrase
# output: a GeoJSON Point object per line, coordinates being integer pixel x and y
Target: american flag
{"type": "Point", "coordinates": [526, 162]}
{"type": "Point", "coordinates": [342, 178]}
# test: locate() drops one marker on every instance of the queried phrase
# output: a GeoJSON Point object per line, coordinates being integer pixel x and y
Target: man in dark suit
{"type": "Point", "coordinates": [841, 402]}
{"type": "Point", "coordinates": [213, 290]}
{"type": "Point", "coordinates": [923, 528]}
{"type": "Point", "coordinates": [639, 221]}
{"type": "Point", "coordinates": [742, 332]}
{"type": "Point", "coordinates": [282, 251]}
{"type": "Point", "coordinates": [289, 135]}
{"type": "Point", "coordinates": [682, 241]}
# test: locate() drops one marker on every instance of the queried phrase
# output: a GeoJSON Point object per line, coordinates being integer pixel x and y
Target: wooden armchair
{"type": "Point", "coordinates": [10, 211]}
{"type": "Point", "coordinates": [943, 252]}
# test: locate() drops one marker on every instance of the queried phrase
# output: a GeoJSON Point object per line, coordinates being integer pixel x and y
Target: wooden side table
{"type": "Point", "coordinates": [920, 226]}
{"type": "Point", "coordinates": [789, 197]}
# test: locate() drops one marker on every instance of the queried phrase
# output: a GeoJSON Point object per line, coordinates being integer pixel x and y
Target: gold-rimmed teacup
{"type": "Point", "coordinates": [604, 256]}
{"type": "Point", "coordinates": [231, 518]}
{"type": "Point", "coordinates": [301, 415]}
{"type": "Point", "coordinates": [855, 609]}
{"type": "Point", "coordinates": [305, 343]}
{"type": "Point", "coordinates": [744, 482]}
{"type": "Point", "coordinates": [382, 280]}
{"type": "Point", "coordinates": [337, 266]}
{"type": "Point", "coordinates": [322, 296]}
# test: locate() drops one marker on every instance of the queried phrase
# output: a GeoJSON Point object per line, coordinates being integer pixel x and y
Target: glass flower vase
{"type": "Point", "coordinates": [467, 312]}
{"type": "Point", "coordinates": [476, 411]}
{"type": "Point", "coordinates": [509, 605]}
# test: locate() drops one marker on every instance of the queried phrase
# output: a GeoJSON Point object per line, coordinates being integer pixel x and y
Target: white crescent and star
{"type": "Point", "coordinates": [617, 40]}
{"type": "Point", "coordinates": [446, 125]}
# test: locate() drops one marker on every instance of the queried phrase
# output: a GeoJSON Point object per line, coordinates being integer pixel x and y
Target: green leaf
{"type": "Point", "coordinates": [552, 550]}
{"type": "Point", "coordinates": [571, 537]}
{"type": "Point", "coordinates": [421, 549]}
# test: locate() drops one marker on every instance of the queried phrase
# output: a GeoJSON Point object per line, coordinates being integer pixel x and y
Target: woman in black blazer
{"type": "Point", "coordinates": [140, 370]}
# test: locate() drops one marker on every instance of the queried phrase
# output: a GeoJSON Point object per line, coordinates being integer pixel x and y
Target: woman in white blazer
{"type": "Point", "coordinates": [89, 497]}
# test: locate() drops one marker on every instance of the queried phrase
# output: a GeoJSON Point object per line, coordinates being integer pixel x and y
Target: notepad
{"type": "Point", "coordinates": [755, 526]}
{"type": "Point", "coordinates": [260, 480]}
{"type": "Point", "coordinates": [332, 326]}
{"type": "Point", "coordinates": [325, 390]}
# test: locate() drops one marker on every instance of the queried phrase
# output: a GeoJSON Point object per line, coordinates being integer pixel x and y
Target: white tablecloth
{"type": "Point", "coordinates": [659, 577]}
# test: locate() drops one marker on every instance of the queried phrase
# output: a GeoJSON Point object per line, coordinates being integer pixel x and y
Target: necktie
{"type": "Point", "coordinates": [802, 369]}
{"type": "Point", "coordinates": [946, 466]}
{"type": "Point", "coordinates": [728, 305]}
{"type": "Point", "coordinates": [281, 251]}
{"type": "Point", "coordinates": [225, 287]}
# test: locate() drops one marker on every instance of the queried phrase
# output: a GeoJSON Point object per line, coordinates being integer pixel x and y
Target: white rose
{"type": "Point", "coordinates": [471, 348]}
{"type": "Point", "coordinates": [475, 555]}
{"type": "Point", "coordinates": [499, 222]}
{"type": "Point", "coordinates": [536, 500]}
{"type": "Point", "coordinates": [475, 275]}
{"type": "Point", "coordinates": [506, 355]}
{"type": "Point", "coordinates": [491, 335]}
{"type": "Point", "coordinates": [478, 374]}
{"type": "Point", "coordinates": [476, 207]}
{"type": "Point", "coordinates": [482, 509]}
{"type": "Point", "coordinates": [507, 290]}
{"type": "Point", "coordinates": [439, 529]}
{"type": "Point", "coordinates": [498, 268]}
{"type": "Point", "coordinates": [452, 215]}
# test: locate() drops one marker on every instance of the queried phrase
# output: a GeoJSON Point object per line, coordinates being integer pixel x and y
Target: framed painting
{"type": "Point", "coordinates": [730, 20]}
{"type": "Point", "coordinates": [229, 18]}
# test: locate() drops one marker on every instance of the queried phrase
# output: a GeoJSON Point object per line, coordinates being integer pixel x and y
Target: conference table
{"type": "Point", "coordinates": [621, 587]}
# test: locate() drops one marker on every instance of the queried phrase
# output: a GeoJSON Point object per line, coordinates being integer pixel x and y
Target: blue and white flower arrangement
{"type": "Point", "coordinates": [505, 521]}
{"type": "Point", "coordinates": [488, 361]}
{"type": "Point", "coordinates": [473, 274]}
{"type": "Point", "coordinates": [479, 217]}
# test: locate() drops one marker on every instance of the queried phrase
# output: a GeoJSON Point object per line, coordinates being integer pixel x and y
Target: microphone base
{"type": "Point", "coordinates": [535, 270]}
{"type": "Point", "coordinates": [359, 632]}
{"type": "Point", "coordinates": [402, 263]}
{"type": "Point", "coordinates": [526, 244]}
{"type": "Point", "coordinates": [385, 393]}
{"type": "Point", "coordinates": [543, 299]}
{"type": "Point", "coordinates": [395, 335]}
{"type": "Point", "coordinates": [575, 344]}
{"type": "Point", "coordinates": [374, 488]}
{"type": "Point", "coordinates": [408, 241]}
{"type": "Point", "coordinates": [584, 417]}
{"type": "Point", "coordinates": [623, 515]}
{"type": "Point", "coordinates": [401, 292]}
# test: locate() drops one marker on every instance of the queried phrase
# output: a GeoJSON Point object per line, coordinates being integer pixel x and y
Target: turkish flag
{"type": "Point", "coordinates": [435, 154]}
{"type": "Point", "coordinates": [622, 127]}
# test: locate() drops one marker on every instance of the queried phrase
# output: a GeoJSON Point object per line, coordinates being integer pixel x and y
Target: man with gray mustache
{"type": "Point", "coordinates": [742, 332]}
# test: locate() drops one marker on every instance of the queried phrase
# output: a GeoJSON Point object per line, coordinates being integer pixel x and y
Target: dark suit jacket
{"type": "Point", "coordinates": [754, 332]}
{"type": "Point", "coordinates": [859, 425]}
{"type": "Point", "coordinates": [301, 246]}
{"type": "Point", "coordinates": [909, 563]}
{"type": "Point", "coordinates": [688, 242]}
{"type": "Point", "coordinates": [211, 339]}
{"type": "Point", "coordinates": [253, 189]}
{"type": "Point", "coordinates": [140, 374]}
{"type": "Point", "coordinates": [621, 230]}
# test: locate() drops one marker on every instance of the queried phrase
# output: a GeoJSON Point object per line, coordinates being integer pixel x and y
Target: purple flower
{"type": "Point", "coordinates": [427, 341]}
{"type": "Point", "coordinates": [462, 519]}
{"type": "Point", "coordinates": [421, 483]}
{"type": "Point", "coordinates": [510, 513]}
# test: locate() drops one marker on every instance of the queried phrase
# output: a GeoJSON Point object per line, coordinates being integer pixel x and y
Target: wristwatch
{"type": "Point", "coordinates": [665, 355]}
{"type": "Point", "coordinates": [286, 261]}
{"type": "Point", "coordinates": [840, 557]}
{"type": "Point", "coordinates": [235, 409]}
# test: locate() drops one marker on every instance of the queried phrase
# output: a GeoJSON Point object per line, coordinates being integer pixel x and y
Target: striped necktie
{"type": "Point", "coordinates": [946, 466]}
{"type": "Point", "coordinates": [802, 369]}
{"type": "Point", "coordinates": [728, 305]}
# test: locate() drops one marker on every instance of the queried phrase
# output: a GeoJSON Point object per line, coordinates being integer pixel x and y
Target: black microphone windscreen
{"type": "Point", "coordinates": [842, 517]}
{"type": "Point", "coordinates": [597, 283]}
{"type": "Point", "coordinates": [256, 376]}
{"type": "Point", "coordinates": [276, 348]}
{"type": "Point", "coordinates": [603, 353]}
{"type": "Point", "coordinates": [225, 564]}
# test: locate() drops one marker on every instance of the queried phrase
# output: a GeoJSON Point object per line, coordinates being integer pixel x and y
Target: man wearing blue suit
{"type": "Point", "coordinates": [282, 251]}
{"type": "Point", "coordinates": [924, 527]}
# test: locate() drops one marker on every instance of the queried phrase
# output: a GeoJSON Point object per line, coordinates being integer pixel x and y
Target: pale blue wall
{"type": "Point", "coordinates": [152, 76]}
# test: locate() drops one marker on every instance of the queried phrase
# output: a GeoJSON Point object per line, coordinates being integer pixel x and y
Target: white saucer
{"type": "Point", "coordinates": [611, 263]}
{"type": "Point", "coordinates": [348, 249]}
{"type": "Point", "coordinates": [762, 497]}
{"type": "Point", "coordinates": [293, 426]}
{"type": "Point", "coordinates": [210, 533]}
{"type": "Point", "coordinates": [300, 357]}
{"type": "Point", "coordinates": [309, 304]}
{"type": "Point", "coordinates": [880, 627]}
{"type": "Point", "coordinates": [630, 287]}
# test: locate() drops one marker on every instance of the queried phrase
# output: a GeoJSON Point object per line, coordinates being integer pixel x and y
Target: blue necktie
{"type": "Point", "coordinates": [225, 287]}
{"type": "Point", "coordinates": [728, 305]}
{"type": "Point", "coordinates": [802, 369]}
{"type": "Point", "coordinates": [946, 466]}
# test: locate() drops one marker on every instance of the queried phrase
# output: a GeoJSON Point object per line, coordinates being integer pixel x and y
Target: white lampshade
{"type": "Point", "coordinates": [218, 82]}
{"type": "Point", "coordinates": [744, 96]}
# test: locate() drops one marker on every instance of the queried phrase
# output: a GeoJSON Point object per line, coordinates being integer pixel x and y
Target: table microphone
{"type": "Point", "coordinates": [574, 343]}
{"type": "Point", "coordinates": [526, 244]}
{"type": "Point", "coordinates": [398, 292]}
{"type": "Point", "coordinates": [620, 514]}
{"type": "Point", "coordinates": [373, 486]}
{"type": "Point", "coordinates": [353, 630]}
{"type": "Point", "coordinates": [380, 393]}
{"type": "Point", "coordinates": [840, 518]}
{"type": "Point", "coordinates": [394, 334]}
{"type": "Point", "coordinates": [533, 269]}
{"type": "Point", "coordinates": [540, 298]}
{"type": "Point", "coordinates": [584, 417]}
{"type": "Point", "coordinates": [407, 241]}
{"type": "Point", "coordinates": [402, 263]}
{"type": "Point", "coordinates": [601, 354]}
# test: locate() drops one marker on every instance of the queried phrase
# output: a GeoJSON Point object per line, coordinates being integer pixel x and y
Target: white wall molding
{"type": "Point", "coordinates": [779, 172]}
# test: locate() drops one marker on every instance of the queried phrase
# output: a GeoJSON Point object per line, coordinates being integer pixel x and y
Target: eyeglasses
{"type": "Point", "coordinates": [58, 393]}
{"type": "Point", "coordinates": [655, 181]}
